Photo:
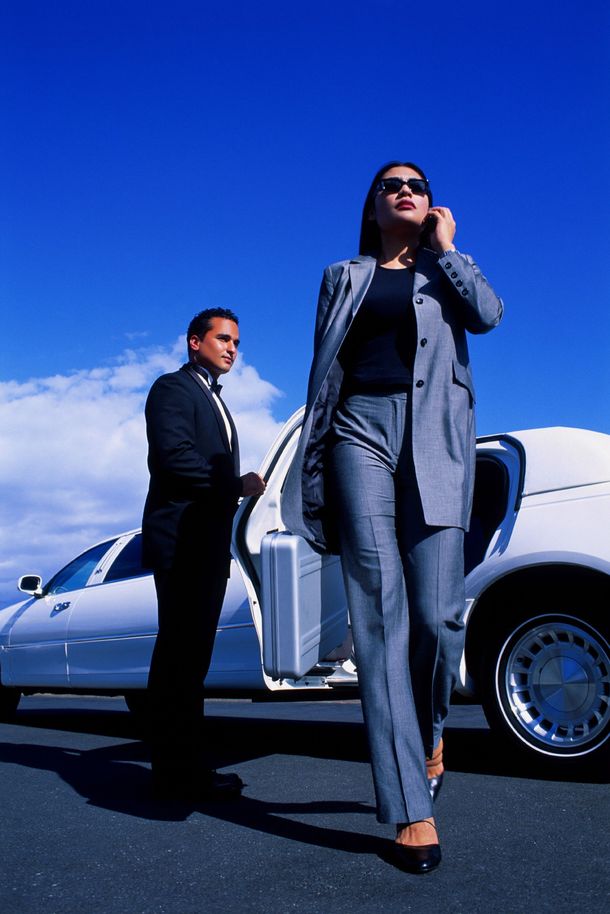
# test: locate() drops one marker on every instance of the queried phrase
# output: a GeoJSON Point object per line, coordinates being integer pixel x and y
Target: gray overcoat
{"type": "Point", "coordinates": [450, 296]}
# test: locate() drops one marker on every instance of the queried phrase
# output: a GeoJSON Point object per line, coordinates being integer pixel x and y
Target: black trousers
{"type": "Point", "coordinates": [189, 608]}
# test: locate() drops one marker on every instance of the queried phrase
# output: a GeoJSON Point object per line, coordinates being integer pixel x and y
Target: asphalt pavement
{"type": "Point", "coordinates": [80, 833]}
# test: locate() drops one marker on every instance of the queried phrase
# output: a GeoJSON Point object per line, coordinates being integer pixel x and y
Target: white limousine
{"type": "Point", "coordinates": [537, 556]}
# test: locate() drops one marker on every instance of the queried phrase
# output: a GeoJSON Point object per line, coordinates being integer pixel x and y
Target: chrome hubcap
{"type": "Point", "coordinates": [557, 683]}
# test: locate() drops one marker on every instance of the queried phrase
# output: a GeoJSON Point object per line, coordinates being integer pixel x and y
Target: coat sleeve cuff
{"type": "Point", "coordinates": [451, 264]}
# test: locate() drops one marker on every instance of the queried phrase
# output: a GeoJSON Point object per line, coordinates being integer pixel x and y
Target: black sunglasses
{"type": "Point", "coordinates": [394, 185]}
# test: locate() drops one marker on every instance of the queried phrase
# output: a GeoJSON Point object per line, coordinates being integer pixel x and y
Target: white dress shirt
{"type": "Point", "coordinates": [206, 378]}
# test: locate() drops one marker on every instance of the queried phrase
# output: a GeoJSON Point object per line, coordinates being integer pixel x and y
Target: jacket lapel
{"type": "Point", "coordinates": [361, 273]}
{"type": "Point", "coordinates": [206, 392]}
{"type": "Point", "coordinates": [426, 269]}
{"type": "Point", "coordinates": [235, 442]}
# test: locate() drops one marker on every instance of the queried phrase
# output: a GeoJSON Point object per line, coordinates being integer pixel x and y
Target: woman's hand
{"type": "Point", "coordinates": [442, 232]}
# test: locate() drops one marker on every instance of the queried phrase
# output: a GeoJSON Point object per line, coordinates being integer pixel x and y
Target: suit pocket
{"type": "Point", "coordinates": [461, 376]}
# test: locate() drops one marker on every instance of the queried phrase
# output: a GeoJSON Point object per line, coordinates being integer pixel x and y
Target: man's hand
{"type": "Point", "coordinates": [252, 484]}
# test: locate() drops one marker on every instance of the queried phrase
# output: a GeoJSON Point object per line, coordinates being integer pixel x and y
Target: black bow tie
{"type": "Point", "coordinates": [215, 387]}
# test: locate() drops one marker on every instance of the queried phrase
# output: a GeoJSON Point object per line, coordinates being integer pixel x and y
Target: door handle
{"type": "Point", "coordinates": [59, 607]}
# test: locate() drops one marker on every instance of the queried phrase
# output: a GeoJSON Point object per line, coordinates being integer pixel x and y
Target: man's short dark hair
{"type": "Point", "coordinates": [202, 322]}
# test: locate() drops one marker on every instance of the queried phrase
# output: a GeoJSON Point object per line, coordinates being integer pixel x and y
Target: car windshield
{"type": "Point", "coordinates": [77, 573]}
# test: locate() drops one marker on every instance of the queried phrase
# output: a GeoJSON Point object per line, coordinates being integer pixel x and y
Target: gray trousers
{"type": "Point", "coordinates": [405, 590]}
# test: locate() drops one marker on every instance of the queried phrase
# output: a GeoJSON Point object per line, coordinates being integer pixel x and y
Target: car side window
{"type": "Point", "coordinates": [128, 563]}
{"type": "Point", "coordinates": [77, 573]}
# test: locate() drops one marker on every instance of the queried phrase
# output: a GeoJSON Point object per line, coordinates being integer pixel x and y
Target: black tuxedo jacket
{"type": "Point", "coordinates": [194, 477]}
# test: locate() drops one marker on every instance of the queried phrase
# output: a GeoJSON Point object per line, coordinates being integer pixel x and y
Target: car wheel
{"type": "Point", "coordinates": [9, 700]}
{"type": "Point", "coordinates": [546, 686]}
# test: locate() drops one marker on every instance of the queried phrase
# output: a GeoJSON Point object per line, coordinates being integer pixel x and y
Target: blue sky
{"type": "Point", "coordinates": [158, 158]}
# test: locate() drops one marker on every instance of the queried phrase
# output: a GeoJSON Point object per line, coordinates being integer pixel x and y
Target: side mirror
{"type": "Point", "coordinates": [30, 583]}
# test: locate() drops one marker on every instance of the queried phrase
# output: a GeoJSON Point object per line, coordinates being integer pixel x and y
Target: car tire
{"type": "Point", "coordinates": [9, 700]}
{"type": "Point", "coordinates": [546, 686]}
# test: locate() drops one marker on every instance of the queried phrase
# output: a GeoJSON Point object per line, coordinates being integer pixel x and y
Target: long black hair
{"type": "Point", "coordinates": [370, 238]}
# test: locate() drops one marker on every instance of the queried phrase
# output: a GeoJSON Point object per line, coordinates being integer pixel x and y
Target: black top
{"type": "Point", "coordinates": [378, 351]}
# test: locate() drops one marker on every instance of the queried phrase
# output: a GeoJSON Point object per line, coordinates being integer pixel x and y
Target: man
{"type": "Point", "coordinates": [194, 488]}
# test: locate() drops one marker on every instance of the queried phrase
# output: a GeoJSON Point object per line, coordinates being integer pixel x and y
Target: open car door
{"type": "Point", "coordinates": [296, 595]}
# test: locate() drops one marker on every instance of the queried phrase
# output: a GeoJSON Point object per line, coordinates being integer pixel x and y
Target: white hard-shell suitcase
{"type": "Point", "coordinates": [304, 607]}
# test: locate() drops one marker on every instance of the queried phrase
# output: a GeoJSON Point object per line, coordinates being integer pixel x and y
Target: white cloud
{"type": "Point", "coordinates": [73, 455]}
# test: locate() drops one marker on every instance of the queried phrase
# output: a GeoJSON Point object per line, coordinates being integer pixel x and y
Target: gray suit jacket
{"type": "Point", "coordinates": [450, 296]}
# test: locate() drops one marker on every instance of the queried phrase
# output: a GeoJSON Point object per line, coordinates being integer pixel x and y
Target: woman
{"type": "Point", "coordinates": [387, 454]}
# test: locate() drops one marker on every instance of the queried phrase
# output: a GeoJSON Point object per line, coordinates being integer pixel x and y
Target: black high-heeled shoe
{"type": "Point", "coordinates": [415, 858]}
